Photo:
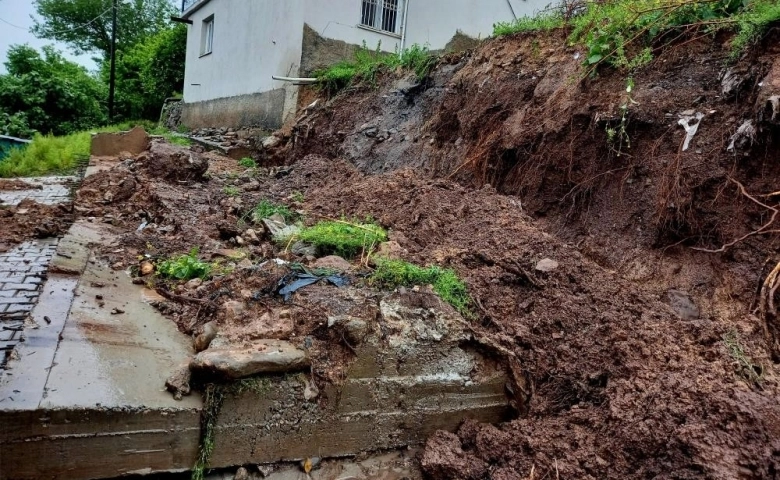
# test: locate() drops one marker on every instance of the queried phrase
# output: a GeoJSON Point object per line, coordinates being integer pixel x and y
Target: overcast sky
{"type": "Point", "coordinates": [17, 13]}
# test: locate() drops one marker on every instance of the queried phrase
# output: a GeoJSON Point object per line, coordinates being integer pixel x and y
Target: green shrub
{"type": "Point", "coordinates": [247, 162]}
{"type": "Point", "coordinates": [367, 64]}
{"type": "Point", "coordinates": [542, 22]}
{"type": "Point", "coordinates": [184, 267]}
{"type": "Point", "coordinates": [267, 208]}
{"type": "Point", "coordinates": [445, 282]}
{"type": "Point", "coordinates": [342, 238]}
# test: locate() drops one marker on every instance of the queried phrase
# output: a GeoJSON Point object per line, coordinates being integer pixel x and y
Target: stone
{"type": "Point", "coordinates": [251, 235]}
{"type": "Point", "coordinates": [332, 262]}
{"type": "Point", "coordinates": [546, 265]}
{"type": "Point", "coordinates": [263, 356]}
{"type": "Point", "coordinates": [242, 474]}
{"type": "Point", "coordinates": [208, 334]}
{"type": "Point", "coordinates": [265, 470]}
{"type": "Point", "coordinates": [234, 309]}
{"type": "Point", "coordinates": [147, 268]}
{"type": "Point", "coordinates": [355, 329]}
{"type": "Point", "coordinates": [682, 304]}
{"type": "Point", "coordinates": [193, 284]}
{"type": "Point", "coordinates": [391, 250]}
{"type": "Point", "coordinates": [179, 381]}
{"type": "Point", "coordinates": [303, 249]}
{"type": "Point", "coordinates": [271, 142]}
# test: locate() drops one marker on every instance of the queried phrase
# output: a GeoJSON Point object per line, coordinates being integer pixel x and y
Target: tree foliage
{"type": "Point", "coordinates": [149, 72]}
{"type": "Point", "coordinates": [47, 93]}
{"type": "Point", "coordinates": [86, 24]}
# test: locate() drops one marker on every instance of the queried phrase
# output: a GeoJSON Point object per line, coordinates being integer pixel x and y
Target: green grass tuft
{"type": "Point", "coordinates": [267, 208]}
{"type": "Point", "coordinates": [247, 162]}
{"type": "Point", "coordinates": [343, 238]}
{"type": "Point", "coordinates": [542, 22]}
{"type": "Point", "coordinates": [367, 64]}
{"type": "Point", "coordinates": [231, 191]}
{"type": "Point", "coordinates": [445, 281]}
{"type": "Point", "coordinates": [184, 267]}
{"type": "Point", "coordinates": [47, 155]}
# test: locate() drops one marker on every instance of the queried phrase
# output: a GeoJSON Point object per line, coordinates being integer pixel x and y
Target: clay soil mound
{"type": "Point", "coordinates": [30, 219]}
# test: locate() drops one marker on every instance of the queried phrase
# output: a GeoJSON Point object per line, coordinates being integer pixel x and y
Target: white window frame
{"type": "Point", "coordinates": [207, 36]}
{"type": "Point", "coordinates": [380, 7]}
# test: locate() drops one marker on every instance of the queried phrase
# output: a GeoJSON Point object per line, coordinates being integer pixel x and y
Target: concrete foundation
{"type": "Point", "coordinates": [266, 109]}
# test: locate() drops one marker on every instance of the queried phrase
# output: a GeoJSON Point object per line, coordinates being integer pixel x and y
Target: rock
{"type": "Point", "coordinates": [271, 142]}
{"type": "Point", "coordinates": [240, 241]}
{"type": "Point", "coordinates": [391, 250]}
{"type": "Point", "coordinates": [546, 265]}
{"type": "Point", "coordinates": [147, 268]}
{"type": "Point", "coordinates": [208, 334]}
{"type": "Point", "coordinates": [332, 262]}
{"type": "Point", "coordinates": [265, 470]}
{"type": "Point", "coordinates": [241, 474]}
{"type": "Point", "coordinates": [355, 329]}
{"type": "Point", "coordinates": [310, 391]}
{"type": "Point", "coordinates": [234, 309]}
{"type": "Point", "coordinates": [264, 356]}
{"type": "Point", "coordinates": [245, 264]}
{"type": "Point", "coordinates": [251, 235]}
{"type": "Point", "coordinates": [303, 249]}
{"type": "Point", "coordinates": [682, 304]}
{"type": "Point", "coordinates": [179, 381]}
{"type": "Point", "coordinates": [193, 284]}
{"type": "Point", "coordinates": [174, 163]}
{"type": "Point", "coordinates": [228, 253]}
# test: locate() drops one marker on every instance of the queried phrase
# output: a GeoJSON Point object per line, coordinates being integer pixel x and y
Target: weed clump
{"type": "Point", "coordinates": [267, 208]}
{"type": "Point", "coordinates": [247, 162]}
{"type": "Point", "coordinates": [445, 281]}
{"type": "Point", "coordinates": [343, 238]}
{"type": "Point", "coordinates": [543, 22]}
{"type": "Point", "coordinates": [367, 64]}
{"type": "Point", "coordinates": [184, 267]}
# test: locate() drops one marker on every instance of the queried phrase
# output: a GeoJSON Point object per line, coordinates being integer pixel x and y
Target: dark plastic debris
{"type": "Point", "coordinates": [297, 280]}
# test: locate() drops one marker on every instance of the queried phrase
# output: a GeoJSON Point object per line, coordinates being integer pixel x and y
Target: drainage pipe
{"type": "Point", "coordinates": [299, 80]}
{"type": "Point", "coordinates": [403, 32]}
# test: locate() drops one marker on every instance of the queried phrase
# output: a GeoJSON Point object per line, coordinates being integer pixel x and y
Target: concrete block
{"type": "Point", "coordinates": [111, 144]}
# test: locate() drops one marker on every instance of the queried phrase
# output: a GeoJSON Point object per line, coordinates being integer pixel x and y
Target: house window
{"type": "Point", "coordinates": [380, 14]}
{"type": "Point", "coordinates": [207, 36]}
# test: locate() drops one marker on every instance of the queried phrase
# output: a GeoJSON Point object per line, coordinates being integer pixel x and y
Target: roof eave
{"type": "Point", "coordinates": [194, 8]}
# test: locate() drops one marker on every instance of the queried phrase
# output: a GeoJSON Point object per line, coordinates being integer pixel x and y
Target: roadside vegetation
{"type": "Point", "coordinates": [184, 267]}
{"type": "Point", "coordinates": [623, 33]}
{"type": "Point", "coordinates": [368, 64]}
{"type": "Point", "coordinates": [56, 155]}
{"type": "Point", "coordinates": [445, 281]}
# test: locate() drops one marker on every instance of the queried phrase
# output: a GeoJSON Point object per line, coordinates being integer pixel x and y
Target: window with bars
{"type": "Point", "coordinates": [380, 14]}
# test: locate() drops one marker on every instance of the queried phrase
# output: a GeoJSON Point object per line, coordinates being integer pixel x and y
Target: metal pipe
{"type": "Point", "coordinates": [295, 79]}
{"type": "Point", "coordinates": [403, 32]}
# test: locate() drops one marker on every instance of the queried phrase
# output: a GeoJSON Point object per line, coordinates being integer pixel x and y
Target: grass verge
{"type": "Point", "coordinates": [50, 155]}
{"type": "Point", "coordinates": [445, 282]}
{"type": "Point", "coordinates": [346, 239]}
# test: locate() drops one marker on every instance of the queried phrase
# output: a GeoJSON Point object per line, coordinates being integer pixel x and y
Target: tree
{"type": "Point", "coordinates": [48, 94]}
{"type": "Point", "coordinates": [86, 24]}
{"type": "Point", "coordinates": [149, 72]}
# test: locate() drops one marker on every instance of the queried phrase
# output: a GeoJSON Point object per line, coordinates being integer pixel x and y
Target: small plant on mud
{"type": "Point", "coordinates": [617, 137]}
{"type": "Point", "coordinates": [445, 281]}
{"type": "Point", "coordinates": [343, 238]}
{"type": "Point", "coordinates": [184, 267]}
{"type": "Point", "coordinates": [267, 208]}
{"type": "Point", "coordinates": [548, 20]}
{"type": "Point", "coordinates": [247, 162]}
{"type": "Point", "coordinates": [231, 191]}
{"type": "Point", "coordinates": [297, 197]}
{"type": "Point", "coordinates": [745, 366]}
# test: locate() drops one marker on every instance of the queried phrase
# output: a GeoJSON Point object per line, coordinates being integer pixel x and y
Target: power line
{"type": "Point", "coordinates": [77, 27]}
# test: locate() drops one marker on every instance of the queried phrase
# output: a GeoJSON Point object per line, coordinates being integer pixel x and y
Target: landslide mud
{"type": "Point", "coordinates": [30, 219]}
{"type": "Point", "coordinates": [633, 354]}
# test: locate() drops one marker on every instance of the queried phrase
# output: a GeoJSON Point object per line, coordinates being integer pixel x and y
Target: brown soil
{"type": "Point", "coordinates": [31, 219]}
{"type": "Point", "coordinates": [637, 357]}
{"type": "Point", "coordinates": [14, 185]}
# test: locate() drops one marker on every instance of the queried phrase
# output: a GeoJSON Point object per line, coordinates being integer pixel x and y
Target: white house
{"type": "Point", "coordinates": [234, 47]}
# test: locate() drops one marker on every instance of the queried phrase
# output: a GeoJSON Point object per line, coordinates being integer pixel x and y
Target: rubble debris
{"type": "Point", "coordinates": [690, 121]}
{"type": "Point", "coordinates": [744, 136]}
{"type": "Point", "coordinates": [262, 356]}
{"type": "Point", "coordinates": [208, 334]}
{"type": "Point", "coordinates": [179, 381]}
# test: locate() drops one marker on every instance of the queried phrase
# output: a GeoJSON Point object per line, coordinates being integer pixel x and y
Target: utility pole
{"type": "Point", "coordinates": [112, 75]}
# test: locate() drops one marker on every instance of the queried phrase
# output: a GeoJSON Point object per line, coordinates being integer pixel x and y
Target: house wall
{"type": "Point", "coordinates": [255, 39]}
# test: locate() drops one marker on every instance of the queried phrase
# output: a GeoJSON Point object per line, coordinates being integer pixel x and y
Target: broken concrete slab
{"type": "Point", "coordinates": [261, 357]}
{"type": "Point", "coordinates": [134, 141]}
